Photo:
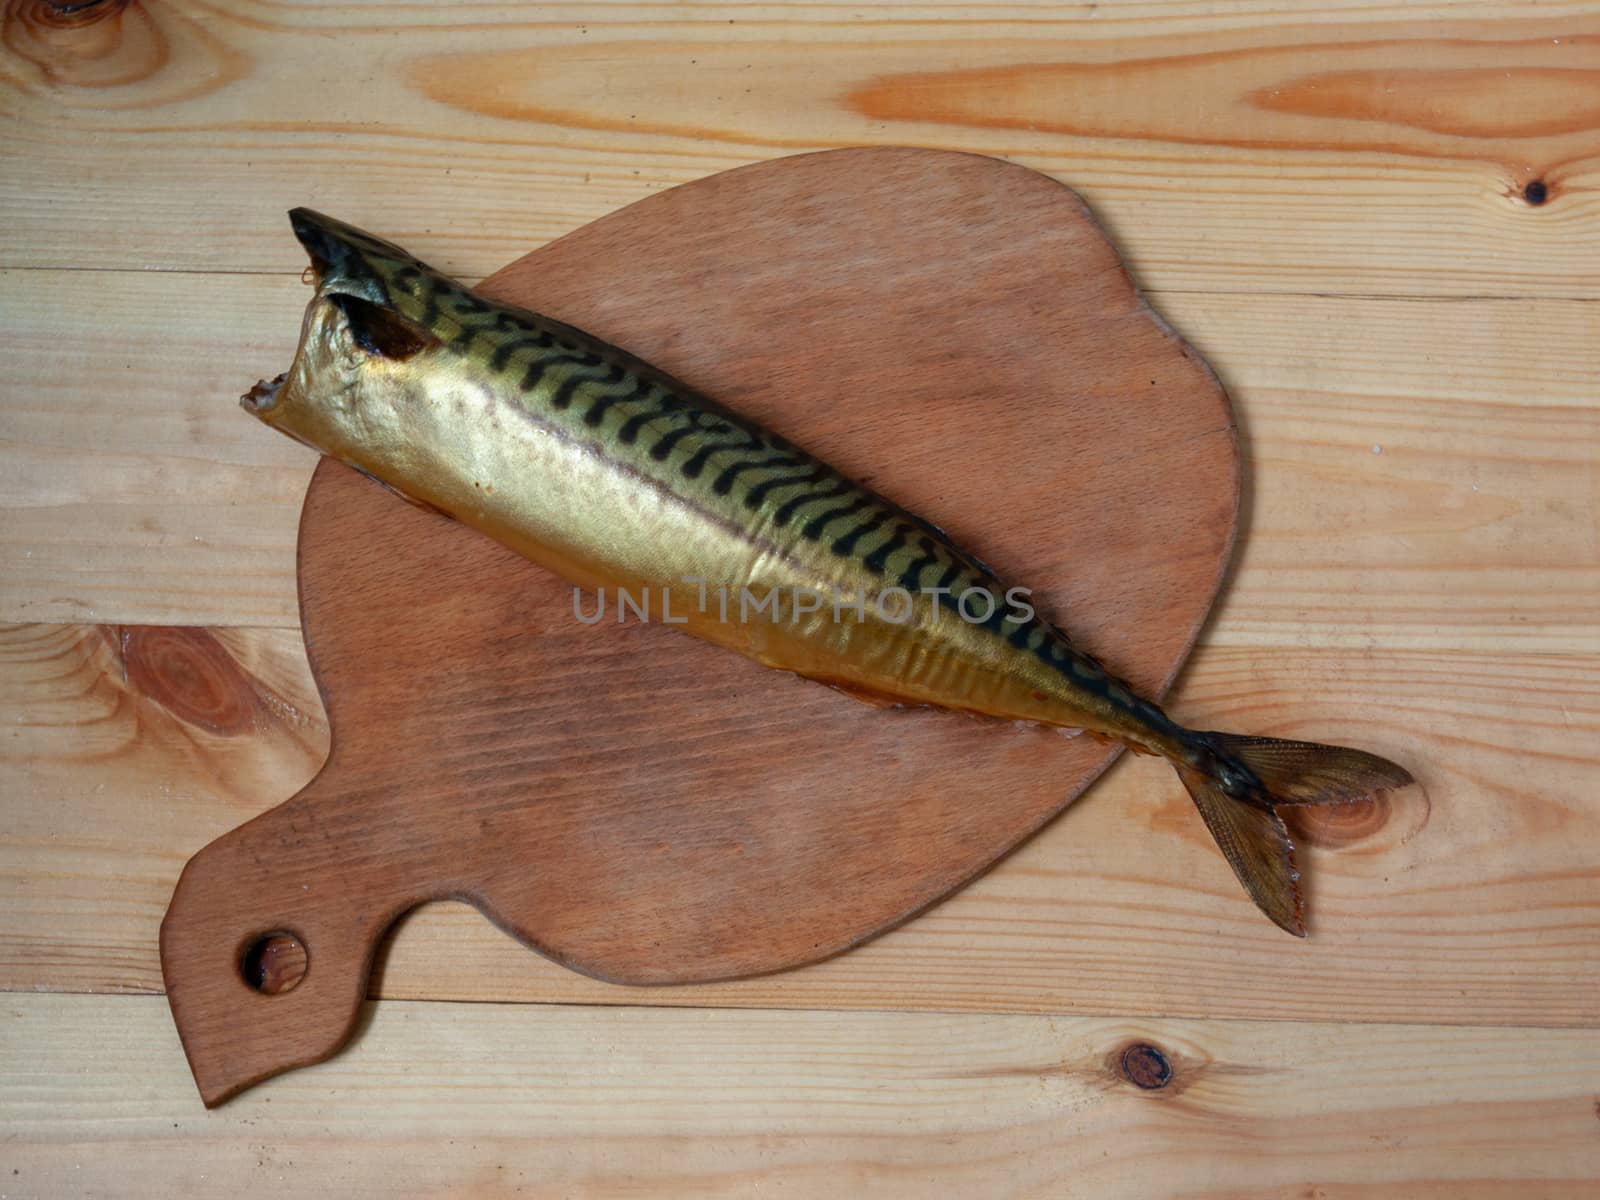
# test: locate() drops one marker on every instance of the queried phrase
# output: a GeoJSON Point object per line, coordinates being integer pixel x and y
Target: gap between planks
{"type": "Point", "coordinates": [1153, 291]}
{"type": "Point", "coordinates": [867, 1010]}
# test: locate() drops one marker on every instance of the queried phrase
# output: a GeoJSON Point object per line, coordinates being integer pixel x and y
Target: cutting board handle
{"type": "Point", "coordinates": [266, 949]}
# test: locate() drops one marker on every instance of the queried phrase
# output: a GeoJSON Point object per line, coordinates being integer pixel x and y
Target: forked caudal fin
{"type": "Point", "coordinates": [1240, 806]}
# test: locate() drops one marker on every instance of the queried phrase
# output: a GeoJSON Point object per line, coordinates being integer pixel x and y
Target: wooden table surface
{"type": "Point", "coordinates": [1381, 225]}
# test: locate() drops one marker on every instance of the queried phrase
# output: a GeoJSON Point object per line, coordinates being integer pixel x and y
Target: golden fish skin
{"type": "Point", "coordinates": [609, 472]}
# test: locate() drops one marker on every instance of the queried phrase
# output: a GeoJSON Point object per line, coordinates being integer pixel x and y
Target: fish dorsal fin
{"type": "Point", "coordinates": [381, 331]}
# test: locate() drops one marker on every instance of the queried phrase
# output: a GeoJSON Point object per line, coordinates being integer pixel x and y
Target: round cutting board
{"type": "Point", "coordinates": [955, 332]}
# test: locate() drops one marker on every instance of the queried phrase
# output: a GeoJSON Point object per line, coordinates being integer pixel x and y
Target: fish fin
{"type": "Point", "coordinates": [1257, 847]}
{"type": "Point", "coordinates": [1310, 773]}
{"type": "Point", "coordinates": [1240, 808]}
{"type": "Point", "coordinates": [381, 331]}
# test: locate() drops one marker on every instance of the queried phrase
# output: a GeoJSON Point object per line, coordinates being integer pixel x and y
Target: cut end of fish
{"type": "Point", "coordinates": [263, 396]}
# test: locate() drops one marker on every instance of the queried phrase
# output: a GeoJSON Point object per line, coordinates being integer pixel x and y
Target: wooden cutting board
{"type": "Point", "coordinates": [953, 330]}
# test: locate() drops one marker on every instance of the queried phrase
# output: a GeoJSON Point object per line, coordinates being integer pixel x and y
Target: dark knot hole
{"type": "Point", "coordinates": [1144, 1066]}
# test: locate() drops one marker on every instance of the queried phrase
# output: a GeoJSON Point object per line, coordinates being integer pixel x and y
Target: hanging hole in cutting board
{"type": "Point", "coordinates": [275, 963]}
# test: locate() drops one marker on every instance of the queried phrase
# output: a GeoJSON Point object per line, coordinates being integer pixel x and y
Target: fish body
{"type": "Point", "coordinates": [616, 476]}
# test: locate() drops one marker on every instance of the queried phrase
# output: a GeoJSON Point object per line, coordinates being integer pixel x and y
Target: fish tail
{"type": "Point", "coordinates": [1239, 783]}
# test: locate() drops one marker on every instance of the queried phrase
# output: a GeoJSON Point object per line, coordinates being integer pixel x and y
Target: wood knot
{"type": "Point", "coordinates": [190, 674]}
{"type": "Point", "coordinates": [1144, 1066]}
{"type": "Point", "coordinates": [1398, 816]}
{"type": "Point", "coordinates": [95, 44]}
{"type": "Point", "coordinates": [74, 13]}
{"type": "Point", "coordinates": [1536, 192]}
{"type": "Point", "coordinates": [1333, 826]}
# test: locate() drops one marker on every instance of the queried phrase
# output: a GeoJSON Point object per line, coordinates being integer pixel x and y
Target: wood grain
{"type": "Point", "coordinates": [159, 502]}
{"type": "Point", "coordinates": [1441, 591]}
{"type": "Point", "coordinates": [125, 742]}
{"type": "Point", "coordinates": [1478, 907]}
{"type": "Point", "coordinates": [501, 1101]}
{"type": "Point", "coordinates": [647, 808]}
{"type": "Point", "coordinates": [1329, 147]}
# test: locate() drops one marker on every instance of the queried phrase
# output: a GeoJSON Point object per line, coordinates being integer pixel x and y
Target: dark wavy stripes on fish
{"type": "Point", "coordinates": [420, 287]}
{"type": "Point", "coordinates": [670, 439]}
{"type": "Point", "coordinates": [814, 527]}
{"type": "Point", "coordinates": [702, 456]}
{"type": "Point", "coordinates": [846, 542]}
{"type": "Point", "coordinates": [667, 404]}
{"type": "Point", "coordinates": [637, 391]}
{"type": "Point", "coordinates": [539, 367]}
{"type": "Point", "coordinates": [878, 561]}
{"type": "Point", "coordinates": [723, 484]}
{"type": "Point", "coordinates": [568, 388]}
{"type": "Point", "coordinates": [911, 577]}
{"type": "Point", "coordinates": [506, 350]}
{"type": "Point", "coordinates": [758, 494]}
{"type": "Point", "coordinates": [794, 504]}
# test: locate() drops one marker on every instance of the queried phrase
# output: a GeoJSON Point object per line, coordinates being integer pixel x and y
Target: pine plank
{"type": "Point", "coordinates": [1399, 451]}
{"type": "Point", "coordinates": [104, 793]}
{"type": "Point", "coordinates": [499, 1101]}
{"type": "Point", "coordinates": [1336, 146]}
{"type": "Point", "coordinates": [1474, 904]}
